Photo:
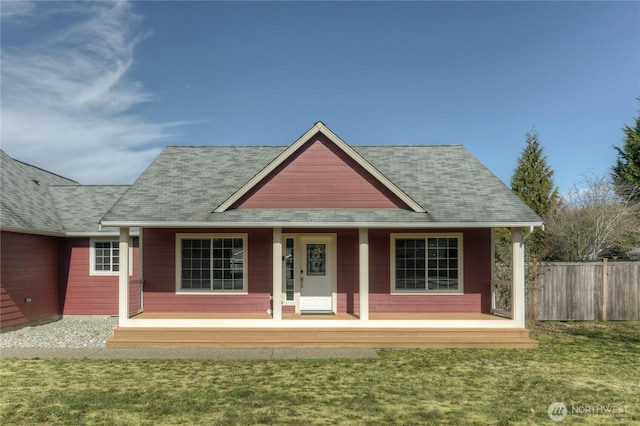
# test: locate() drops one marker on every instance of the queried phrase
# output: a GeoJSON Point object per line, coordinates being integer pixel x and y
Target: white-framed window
{"type": "Point", "coordinates": [104, 256]}
{"type": "Point", "coordinates": [211, 263]}
{"type": "Point", "coordinates": [289, 270]}
{"type": "Point", "coordinates": [426, 263]}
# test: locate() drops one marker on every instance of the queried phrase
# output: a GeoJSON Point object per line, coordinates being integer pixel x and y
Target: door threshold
{"type": "Point", "coordinates": [317, 313]}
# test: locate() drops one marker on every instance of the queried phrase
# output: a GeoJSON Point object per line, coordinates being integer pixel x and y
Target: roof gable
{"type": "Point", "coordinates": [319, 175]}
{"type": "Point", "coordinates": [383, 191]}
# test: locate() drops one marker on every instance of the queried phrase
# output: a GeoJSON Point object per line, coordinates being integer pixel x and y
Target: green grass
{"type": "Point", "coordinates": [580, 364]}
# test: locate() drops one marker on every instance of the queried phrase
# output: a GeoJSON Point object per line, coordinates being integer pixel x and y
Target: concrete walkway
{"type": "Point", "coordinates": [189, 354]}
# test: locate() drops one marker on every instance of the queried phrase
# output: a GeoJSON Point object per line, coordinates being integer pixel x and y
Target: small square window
{"type": "Point", "coordinates": [106, 256]}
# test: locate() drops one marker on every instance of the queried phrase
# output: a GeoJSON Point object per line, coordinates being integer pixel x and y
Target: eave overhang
{"type": "Point", "coordinates": [109, 233]}
{"type": "Point", "coordinates": [333, 225]}
{"type": "Point", "coordinates": [43, 233]}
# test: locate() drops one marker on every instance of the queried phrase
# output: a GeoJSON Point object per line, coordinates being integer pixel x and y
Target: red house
{"type": "Point", "coordinates": [54, 259]}
{"type": "Point", "coordinates": [319, 243]}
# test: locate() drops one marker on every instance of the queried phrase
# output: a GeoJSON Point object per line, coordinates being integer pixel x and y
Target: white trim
{"type": "Point", "coordinates": [123, 278]}
{"type": "Point", "coordinates": [99, 234]}
{"type": "Point", "coordinates": [141, 269]}
{"type": "Point", "coordinates": [212, 292]}
{"type": "Point", "coordinates": [276, 289]}
{"type": "Point", "coordinates": [319, 127]}
{"type": "Point", "coordinates": [92, 257]}
{"type": "Point", "coordinates": [363, 273]}
{"type": "Point", "coordinates": [427, 292]}
{"type": "Point", "coordinates": [270, 323]}
{"type": "Point", "coordinates": [140, 257]}
{"type": "Point", "coordinates": [518, 277]}
{"type": "Point", "coordinates": [296, 289]}
{"type": "Point", "coordinates": [275, 224]}
{"type": "Point", "coordinates": [70, 234]}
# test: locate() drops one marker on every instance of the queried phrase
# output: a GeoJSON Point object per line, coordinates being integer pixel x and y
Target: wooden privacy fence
{"type": "Point", "coordinates": [588, 291]}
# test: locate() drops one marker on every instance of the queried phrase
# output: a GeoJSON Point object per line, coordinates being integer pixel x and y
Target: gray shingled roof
{"type": "Point", "coordinates": [449, 182]}
{"type": "Point", "coordinates": [188, 183]}
{"type": "Point", "coordinates": [185, 184]}
{"type": "Point", "coordinates": [25, 203]}
{"type": "Point", "coordinates": [34, 200]}
{"type": "Point", "coordinates": [81, 207]}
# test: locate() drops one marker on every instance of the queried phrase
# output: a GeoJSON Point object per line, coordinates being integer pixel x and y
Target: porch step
{"type": "Point", "coordinates": [138, 337]}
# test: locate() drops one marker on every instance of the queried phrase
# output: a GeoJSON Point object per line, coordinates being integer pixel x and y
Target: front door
{"type": "Point", "coordinates": [316, 274]}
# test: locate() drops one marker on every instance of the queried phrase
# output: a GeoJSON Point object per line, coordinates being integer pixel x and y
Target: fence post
{"type": "Point", "coordinates": [604, 288]}
{"type": "Point", "coordinates": [534, 291]}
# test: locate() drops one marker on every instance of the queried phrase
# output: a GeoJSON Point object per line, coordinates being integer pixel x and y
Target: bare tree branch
{"type": "Point", "coordinates": [593, 221]}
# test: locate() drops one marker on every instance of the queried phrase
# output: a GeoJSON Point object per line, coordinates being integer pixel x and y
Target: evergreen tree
{"type": "Point", "coordinates": [626, 172]}
{"type": "Point", "coordinates": [532, 180]}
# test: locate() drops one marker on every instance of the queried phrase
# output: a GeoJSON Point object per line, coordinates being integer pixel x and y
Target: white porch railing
{"type": "Point", "coordinates": [502, 298]}
{"type": "Point", "coordinates": [135, 297]}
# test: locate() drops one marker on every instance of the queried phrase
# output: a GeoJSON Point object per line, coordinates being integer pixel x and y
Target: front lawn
{"type": "Point", "coordinates": [593, 368]}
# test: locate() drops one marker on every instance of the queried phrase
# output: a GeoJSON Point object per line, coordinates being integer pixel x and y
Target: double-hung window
{"type": "Point", "coordinates": [426, 263]}
{"type": "Point", "coordinates": [211, 263]}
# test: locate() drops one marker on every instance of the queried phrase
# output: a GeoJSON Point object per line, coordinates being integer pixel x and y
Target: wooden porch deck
{"type": "Point", "coordinates": [305, 337]}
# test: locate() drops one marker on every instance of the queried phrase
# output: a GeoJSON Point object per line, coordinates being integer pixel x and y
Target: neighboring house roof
{"type": "Point", "coordinates": [25, 203]}
{"type": "Point", "coordinates": [80, 207]}
{"type": "Point", "coordinates": [34, 200]}
{"type": "Point", "coordinates": [633, 254]}
{"type": "Point", "coordinates": [195, 186]}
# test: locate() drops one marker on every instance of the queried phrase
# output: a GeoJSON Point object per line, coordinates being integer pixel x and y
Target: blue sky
{"type": "Point", "coordinates": [93, 91]}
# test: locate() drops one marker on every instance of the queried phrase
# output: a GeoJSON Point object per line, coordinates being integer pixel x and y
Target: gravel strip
{"type": "Point", "coordinates": [75, 331]}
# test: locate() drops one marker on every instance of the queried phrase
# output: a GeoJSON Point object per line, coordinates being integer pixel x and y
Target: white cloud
{"type": "Point", "coordinates": [67, 98]}
{"type": "Point", "coordinates": [13, 9]}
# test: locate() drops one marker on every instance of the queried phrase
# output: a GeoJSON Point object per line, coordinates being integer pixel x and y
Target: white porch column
{"type": "Point", "coordinates": [518, 277]}
{"type": "Point", "coordinates": [123, 281]}
{"type": "Point", "coordinates": [277, 274]}
{"type": "Point", "coordinates": [364, 274]}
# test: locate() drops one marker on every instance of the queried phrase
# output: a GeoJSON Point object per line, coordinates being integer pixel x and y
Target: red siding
{"type": "Point", "coordinates": [29, 269]}
{"type": "Point", "coordinates": [477, 276]}
{"type": "Point", "coordinates": [320, 175]}
{"type": "Point", "coordinates": [348, 271]}
{"type": "Point", "coordinates": [160, 275]}
{"type": "Point", "coordinates": [82, 293]}
{"type": "Point", "coordinates": [160, 286]}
